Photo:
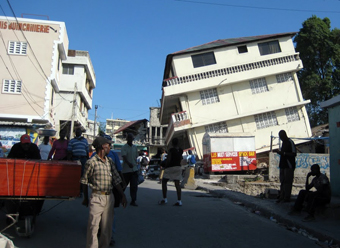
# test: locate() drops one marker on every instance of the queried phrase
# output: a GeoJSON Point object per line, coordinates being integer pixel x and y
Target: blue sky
{"type": "Point", "coordinates": [128, 40]}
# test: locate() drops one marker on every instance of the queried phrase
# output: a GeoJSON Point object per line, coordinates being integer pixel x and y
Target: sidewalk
{"type": "Point", "coordinates": [325, 229]}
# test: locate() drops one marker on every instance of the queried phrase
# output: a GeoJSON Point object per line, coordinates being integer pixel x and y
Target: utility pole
{"type": "Point", "coordinates": [95, 120]}
{"type": "Point", "coordinates": [73, 110]}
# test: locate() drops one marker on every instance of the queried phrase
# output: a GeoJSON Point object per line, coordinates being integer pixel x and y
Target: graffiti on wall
{"type": "Point", "coordinates": [303, 163]}
{"type": "Point", "coordinates": [305, 160]}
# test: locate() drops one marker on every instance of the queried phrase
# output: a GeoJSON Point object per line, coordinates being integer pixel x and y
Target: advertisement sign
{"type": "Point", "coordinates": [233, 161]}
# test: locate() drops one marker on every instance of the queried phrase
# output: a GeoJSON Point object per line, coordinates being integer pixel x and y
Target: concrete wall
{"type": "Point", "coordinates": [303, 163]}
{"type": "Point", "coordinates": [334, 147]}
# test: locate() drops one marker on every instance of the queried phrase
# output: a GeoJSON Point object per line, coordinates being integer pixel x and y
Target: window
{"type": "Point", "coordinates": [68, 69]}
{"type": "Point", "coordinates": [258, 85]}
{"type": "Point", "coordinates": [242, 49]}
{"type": "Point", "coordinates": [11, 86]}
{"type": "Point", "coordinates": [292, 114]}
{"type": "Point", "coordinates": [209, 96]}
{"type": "Point", "coordinates": [17, 47]}
{"type": "Point", "coordinates": [269, 47]}
{"type": "Point", "coordinates": [265, 120]}
{"type": "Point", "coordinates": [217, 128]}
{"type": "Point", "coordinates": [284, 77]}
{"type": "Point", "coordinates": [203, 59]}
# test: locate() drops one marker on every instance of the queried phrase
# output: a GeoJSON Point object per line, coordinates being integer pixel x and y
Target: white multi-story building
{"type": "Point", "coordinates": [235, 85]}
{"type": "Point", "coordinates": [42, 81]}
{"type": "Point", "coordinates": [112, 125]}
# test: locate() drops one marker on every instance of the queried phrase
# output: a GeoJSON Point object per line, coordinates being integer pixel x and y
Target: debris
{"type": "Point", "coordinates": [293, 229]}
{"type": "Point", "coordinates": [273, 219]}
{"type": "Point", "coordinates": [257, 212]}
{"type": "Point", "coordinates": [239, 203]}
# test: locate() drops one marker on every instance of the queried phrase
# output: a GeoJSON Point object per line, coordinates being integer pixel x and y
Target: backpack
{"type": "Point", "coordinates": [144, 161]}
{"type": "Point", "coordinates": [192, 159]}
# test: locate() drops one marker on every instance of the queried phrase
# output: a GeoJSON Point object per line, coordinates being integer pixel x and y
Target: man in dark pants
{"type": "Point", "coordinates": [25, 149]}
{"type": "Point", "coordinates": [78, 149]}
{"type": "Point", "coordinates": [320, 197]}
{"type": "Point", "coordinates": [130, 169]}
{"type": "Point", "coordinates": [287, 166]}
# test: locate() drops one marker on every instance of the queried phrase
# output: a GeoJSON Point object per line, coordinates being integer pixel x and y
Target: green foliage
{"type": "Point", "coordinates": [102, 127]}
{"type": "Point", "coordinates": [319, 49]}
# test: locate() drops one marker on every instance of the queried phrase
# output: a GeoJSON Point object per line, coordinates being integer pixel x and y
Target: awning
{"type": "Point", "coordinates": [18, 123]}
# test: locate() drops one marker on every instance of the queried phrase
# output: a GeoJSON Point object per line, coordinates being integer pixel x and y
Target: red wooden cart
{"type": "Point", "coordinates": [24, 183]}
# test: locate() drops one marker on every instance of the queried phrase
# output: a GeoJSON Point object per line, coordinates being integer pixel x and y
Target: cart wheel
{"type": "Point", "coordinates": [28, 226]}
{"type": "Point", "coordinates": [26, 229]}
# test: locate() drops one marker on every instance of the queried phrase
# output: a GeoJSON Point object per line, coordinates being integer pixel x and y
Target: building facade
{"type": "Point", "coordinates": [112, 125]}
{"type": "Point", "coordinates": [333, 107]}
{"type": "Point", "coordinates": [43, 83]}
{"type": "Point", "coordinates": [156, 132]}
{"type": "Point", "coordinates": [234, 85]}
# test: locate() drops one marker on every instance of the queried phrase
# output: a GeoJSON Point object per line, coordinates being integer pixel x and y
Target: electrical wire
{"type": "Point", "coordinates": [254, 7]}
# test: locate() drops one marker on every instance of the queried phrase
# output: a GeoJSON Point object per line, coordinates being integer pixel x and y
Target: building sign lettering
{"type": "Point", "coordinates": [25, 27]}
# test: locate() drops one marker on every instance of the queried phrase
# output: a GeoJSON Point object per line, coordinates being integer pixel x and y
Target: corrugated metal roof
{"type": "Point", "coordinates": [129, 124]}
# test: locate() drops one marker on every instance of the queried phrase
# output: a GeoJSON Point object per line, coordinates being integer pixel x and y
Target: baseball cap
{"type": "Point", "coordinates": [25, 139]}
{"type": "Point", "coordinates": [99, 141]}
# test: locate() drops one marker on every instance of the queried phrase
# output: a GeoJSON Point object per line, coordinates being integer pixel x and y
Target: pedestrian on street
{"type": "Point", "coordinates": [78, 149]}
{"type": "Point", "coordinates": [191, 159]}
{"type": "Point", "coordinates": [25, 149]}
{"type": "Point", "coordinates": [287, 167]}
{"type": "Point", "coordinates": [45, 148]}
{"type": "Point", "coordinates": [130, 169]}
{"type": "Point", "coordinates": [173, 171]}
{"type": "Point", "coordinates": [313, 199]}
{"type": "Point", "coordinates": [59, 147]}
{"type": "Point", "coordinates": [115, 158]}
{"type": "Point", "coordinates": [101, 175]}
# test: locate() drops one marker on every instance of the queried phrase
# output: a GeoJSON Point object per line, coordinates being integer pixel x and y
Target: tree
{"type": "Point", "coordinates": [102, 127]}
{"type": "Point", "coordinates": [319, 49]}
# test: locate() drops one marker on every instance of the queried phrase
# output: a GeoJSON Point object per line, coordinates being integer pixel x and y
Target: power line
{"type": "Point", "coordinates": [42, 71]}
{"type": "Point", "coordinates": [254, 7]}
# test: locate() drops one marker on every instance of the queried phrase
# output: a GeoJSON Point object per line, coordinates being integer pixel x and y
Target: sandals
{"type": "Point", "coordinates": [162, 202]}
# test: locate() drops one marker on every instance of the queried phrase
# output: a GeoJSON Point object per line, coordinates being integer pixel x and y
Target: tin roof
{"type": "Point", "coordinates": [129, 124]}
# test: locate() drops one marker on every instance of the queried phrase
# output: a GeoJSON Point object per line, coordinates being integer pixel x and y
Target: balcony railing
{"type": "Point", "coordinates": [231, 70]}
{"type": "Point", "coordinates": [177, 120]}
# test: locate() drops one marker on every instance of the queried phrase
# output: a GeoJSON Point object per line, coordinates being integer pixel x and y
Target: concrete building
{"type": "Point", "coordinates": [234, 85]}
{"type": "Point", "coordinates": [92, 131]}
{"type": "Point", "coordinates": [112, 125]}
{"type": "Point", "coordinates": [43, 82]}
{"type": "Point", "coordinates": [156, 131]}
{"type": "Point", "coordinates": [74, 92]}
{"type": "Point", "coordinates": [333, 107]}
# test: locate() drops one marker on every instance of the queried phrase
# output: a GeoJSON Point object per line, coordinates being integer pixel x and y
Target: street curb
{"type": "Point", "coordinates": [253, 203]}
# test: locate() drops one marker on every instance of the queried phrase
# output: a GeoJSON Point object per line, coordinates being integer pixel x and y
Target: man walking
{"type": "Point", "coordinates": [78, 149]}
{"type": "Point", "coordinates": [101, 176]}
{"type": "Point", "coordinates": [130, 169]}
{"type": "Point", "coordinates": [287, 166]}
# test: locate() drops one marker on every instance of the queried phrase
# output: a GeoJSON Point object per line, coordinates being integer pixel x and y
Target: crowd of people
{"type": "Point", "coordinates": [108, 178]}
